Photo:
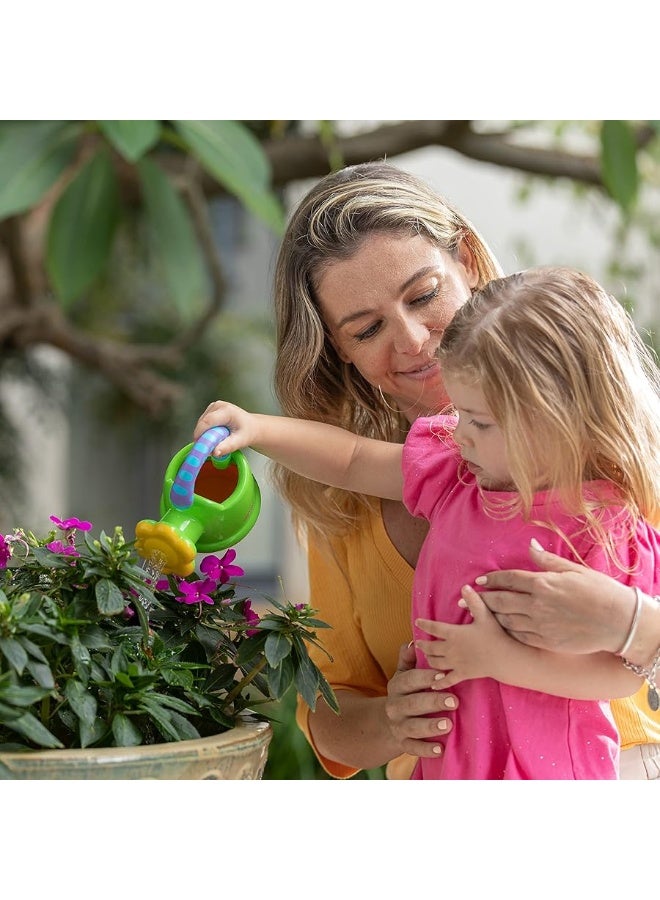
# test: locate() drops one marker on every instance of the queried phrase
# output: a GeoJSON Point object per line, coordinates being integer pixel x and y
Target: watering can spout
{"type": "Point", "coordinates": [206, 505]}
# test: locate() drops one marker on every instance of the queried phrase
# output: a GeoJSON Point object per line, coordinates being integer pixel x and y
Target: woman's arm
{"type": "Point", "coordinates": [385, 702]}
{"type": "Point", "coordinates": [482, 649]}
{"type": "Point", "coordinates": [570, 608]}
{"type": "Point", "coordinates": [314, 450]}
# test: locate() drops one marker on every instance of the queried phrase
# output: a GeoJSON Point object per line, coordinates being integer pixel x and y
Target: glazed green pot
{"type": "Point", "coordinates": [240, 753]}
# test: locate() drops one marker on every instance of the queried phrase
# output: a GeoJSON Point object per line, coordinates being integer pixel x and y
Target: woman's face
{"type": "Point", "coordinates": [386, 308]}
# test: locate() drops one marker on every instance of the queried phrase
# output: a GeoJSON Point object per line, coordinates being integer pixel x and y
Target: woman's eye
{"type": "Point", "coordinates": [426, 298]}
{"type": "Point", "coordinates": [368, 332]}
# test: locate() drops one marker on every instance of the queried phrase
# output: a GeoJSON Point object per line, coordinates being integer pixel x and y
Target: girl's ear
{"type": "Point", "coordinates": [467, 259]}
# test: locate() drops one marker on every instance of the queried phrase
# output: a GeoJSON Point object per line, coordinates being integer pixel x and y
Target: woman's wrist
{"type": "Point", "coordinates": [646, 638]}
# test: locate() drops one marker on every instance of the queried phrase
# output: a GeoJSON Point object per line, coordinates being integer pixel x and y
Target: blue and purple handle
{"type": "Point", "coordinates": [183, 488]}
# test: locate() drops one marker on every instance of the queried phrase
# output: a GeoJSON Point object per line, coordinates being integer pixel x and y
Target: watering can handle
{"type": "Point", "coordinates": [181, 494]}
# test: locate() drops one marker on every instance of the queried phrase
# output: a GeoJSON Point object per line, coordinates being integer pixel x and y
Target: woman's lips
{"type": "Point", "coordinates": [421, 372]}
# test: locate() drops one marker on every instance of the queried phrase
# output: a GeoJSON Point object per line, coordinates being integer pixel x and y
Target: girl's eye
{"type": "Point", "coordinates": [480, 426]}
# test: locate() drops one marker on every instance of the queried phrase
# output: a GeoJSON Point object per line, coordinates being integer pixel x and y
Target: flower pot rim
{"type": "Point", "coordinates": [243, 733]}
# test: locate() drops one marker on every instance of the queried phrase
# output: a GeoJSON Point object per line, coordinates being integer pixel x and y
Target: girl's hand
{"type": "Point", "coordinates": [463, 652]}
{"type": "Point", "coordinates": [414, 702]}
{"type": "Point", "coordinates": [242, 426]}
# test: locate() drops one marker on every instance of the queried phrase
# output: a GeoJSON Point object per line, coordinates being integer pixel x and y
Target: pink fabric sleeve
{"type": "Point", "coordinates": [430, 460]}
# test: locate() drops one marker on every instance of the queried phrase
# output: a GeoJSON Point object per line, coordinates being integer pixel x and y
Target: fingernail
{"type": "Point", "coordinates": [481, 579]}
{"type": "Point", "coordinates": [442, 724]}
{"type": "Point", "coordinates": [535, 544]}
{"type": "Point", "coordinates": [450, 703]}
{"type": "Point", "coordinates": [437, 749]}
{"type": "Point", "coordinates": [462, 603]}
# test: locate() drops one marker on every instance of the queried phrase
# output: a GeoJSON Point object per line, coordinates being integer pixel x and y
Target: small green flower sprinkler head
{"type": "Point", "coordinates": [207, 504]}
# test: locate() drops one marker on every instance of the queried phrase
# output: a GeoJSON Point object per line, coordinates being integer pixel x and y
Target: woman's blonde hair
{"type": "Point", "coordinates": [311, 381]}
{"type": "Point", "coordinates": [571, 384]}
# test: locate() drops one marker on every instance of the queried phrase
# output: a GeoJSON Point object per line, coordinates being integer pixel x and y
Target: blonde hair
{"type": "Point", "coordinates": [571, 384]}
{"type": "Point", "coordinates": [311, 381]}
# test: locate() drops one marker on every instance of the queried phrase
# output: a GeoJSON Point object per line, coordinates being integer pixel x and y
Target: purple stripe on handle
{"type": "Point", "coordinates": [182, 492]}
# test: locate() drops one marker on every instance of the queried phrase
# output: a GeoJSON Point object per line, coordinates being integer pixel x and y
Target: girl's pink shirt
{"type": "Point", "coordinates": [505, 732]}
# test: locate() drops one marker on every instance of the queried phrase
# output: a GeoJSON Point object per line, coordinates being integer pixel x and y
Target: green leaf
{"type": "Point", "coordinates": [33, 649]}
{"type": "Point", "coordinates": [619, 162]}
{"type": "Point", "coordinates": [185, 729]}
{"type": "Point", "coordinates": [109, 599]}
{"type": "Point", "coordinates": [161, 717]}
{"type": "Point", "coordinates": [125, 732]}
{"type": "Point", "coordinates": [276, 648]}
{"type": "Point", "coordinates": [14, 653]}
{"type": "Point", "coordinates": [307, 681]}
{"type": "Point", "coordinates": [81, 701]}
{"type": "Point", "coordinates": [174, 235]}
{"type": "Point", "coordinates": [173, 703]}
{"type": "Point", "coordinates": [41, 673]}
{"type": "Point", "coordinates": [232, 155]}
{"type": "Point", "coordinates": [279, 679]}
{"type": "Point", "coordinates": [327, 693]}
{"type": "Point", "coordinates": [33, 155]}
{"type": "Point", "coordinates": [82, 227]}
{"type": "Point", "coordinates": [131, 138]}
{"type": "Point", "coordinates": [81, 657]}
{"type": "Point", "coordinates": [22, 695]}
{"type": "Point", "coordinates": [28, 726]}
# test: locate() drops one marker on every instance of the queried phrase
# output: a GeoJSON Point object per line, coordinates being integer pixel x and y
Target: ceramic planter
{"type": "Point", "coordinates": [240, 753]}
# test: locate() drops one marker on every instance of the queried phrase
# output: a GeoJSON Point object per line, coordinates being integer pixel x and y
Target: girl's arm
{"type": "Point", "coordinates": [314, 450]}
{"type": "Point", "coordinates": [482, 649]}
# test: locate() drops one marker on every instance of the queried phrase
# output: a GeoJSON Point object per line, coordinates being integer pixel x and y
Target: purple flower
{"type": "Point", "coordinates": [251, 618]}
{"type": "Point", "coordinates": [64, 549]}
{"type": "Point", "coordinates": [221, 569]}
{"type": "Point", "coordinates": [73, 522]}
{"type": "Point", "coordinates": [196, 591]}
{"type": "Point", "coordinates": [5, 552]}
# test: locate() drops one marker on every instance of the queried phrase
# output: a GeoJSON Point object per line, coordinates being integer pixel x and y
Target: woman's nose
{"type": "Point", "coordinates": [410, 336]}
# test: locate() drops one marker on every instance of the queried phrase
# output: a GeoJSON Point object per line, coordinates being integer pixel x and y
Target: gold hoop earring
{"type": "Point", "coordinates": [396, 409]}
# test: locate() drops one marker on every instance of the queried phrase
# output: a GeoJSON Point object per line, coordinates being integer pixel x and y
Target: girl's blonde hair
{"type": "Point", "coordinates": [571, 384]}
{"type": "Point", "coordinates": [311, 381]}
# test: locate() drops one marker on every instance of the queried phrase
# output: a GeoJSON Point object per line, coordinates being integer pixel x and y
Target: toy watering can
{"type": "Point", "coordinates": [207, 504]}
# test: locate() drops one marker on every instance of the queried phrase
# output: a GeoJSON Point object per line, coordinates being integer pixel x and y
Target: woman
{"type": "Point", "coordinates": [371, 268]}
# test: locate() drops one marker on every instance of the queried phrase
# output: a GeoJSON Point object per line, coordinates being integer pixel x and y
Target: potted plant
{"type": "Point", "coordinates": [107, 671]}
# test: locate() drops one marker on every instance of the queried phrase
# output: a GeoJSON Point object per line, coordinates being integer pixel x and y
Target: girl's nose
{"type": "Point", "coordinates": [459, 436]}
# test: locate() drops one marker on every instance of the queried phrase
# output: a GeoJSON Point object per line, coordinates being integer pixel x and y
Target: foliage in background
{"type": "Point", "coordinates": [92, 654]}
{"type": "Point", "coordinates": [109, 252]}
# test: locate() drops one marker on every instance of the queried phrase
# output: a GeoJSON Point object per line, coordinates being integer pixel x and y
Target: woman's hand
{"type": "Point", "coordinates": [566, 607]}
{"type": "Point", "coordinates": [414, 701]}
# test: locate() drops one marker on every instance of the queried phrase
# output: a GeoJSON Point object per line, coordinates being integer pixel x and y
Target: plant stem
{"type": "Point", "coordinates": [245, 681]}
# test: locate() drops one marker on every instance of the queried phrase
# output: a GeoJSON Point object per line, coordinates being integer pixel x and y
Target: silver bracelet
{"type": "Point", "coordinates": [633, 625]}
{"type": "Point", "coordinates": [650, 674]}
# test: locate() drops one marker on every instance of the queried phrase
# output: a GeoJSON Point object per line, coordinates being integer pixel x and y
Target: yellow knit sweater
{"type": "Point", "coordinates": [364, 593]}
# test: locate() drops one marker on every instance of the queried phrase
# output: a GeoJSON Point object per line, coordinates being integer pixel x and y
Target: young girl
{"type": "Point", "coordinates": [555, 437]}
